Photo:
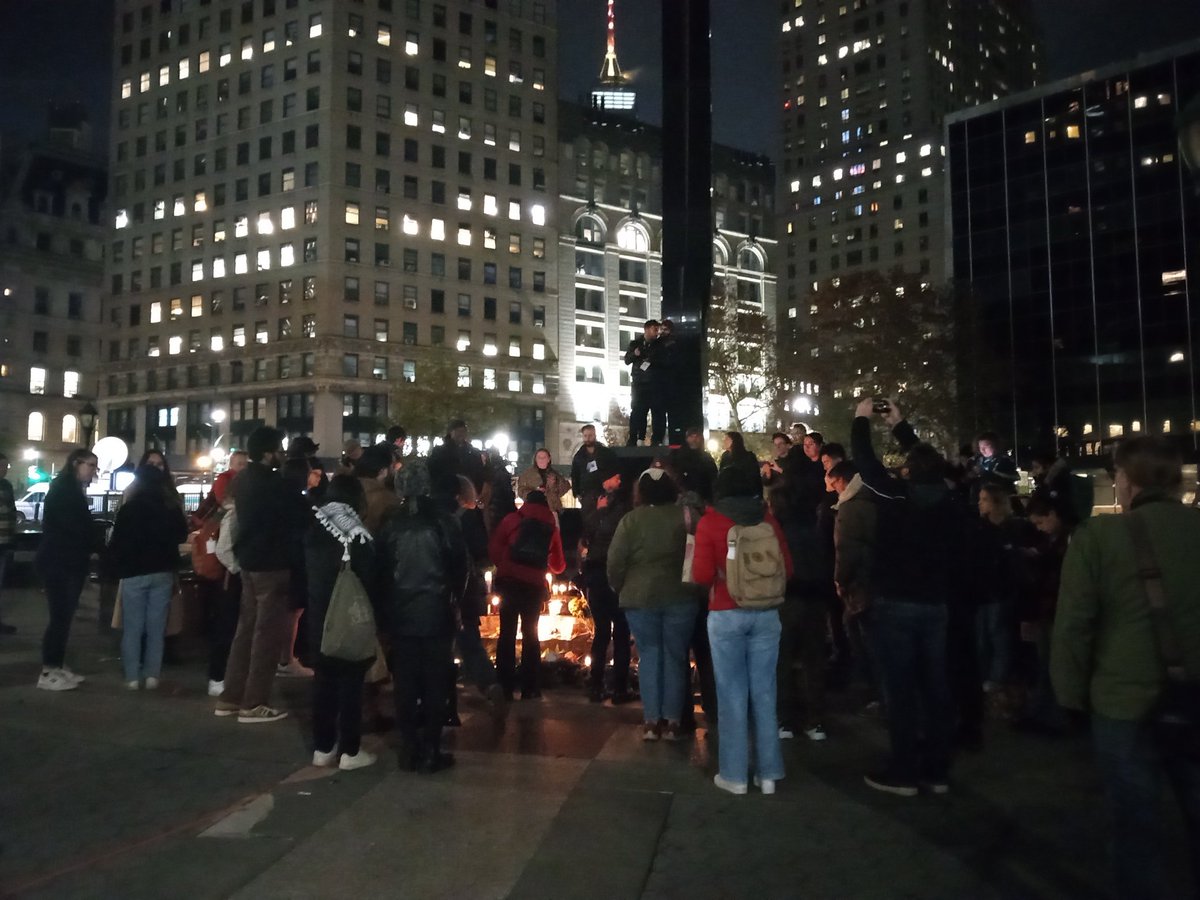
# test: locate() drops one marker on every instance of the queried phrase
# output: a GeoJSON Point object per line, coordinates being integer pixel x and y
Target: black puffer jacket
{"type": "Point", "coordinates": [421, 570]}
{"type": "Point", "coordinates": [599, 526]}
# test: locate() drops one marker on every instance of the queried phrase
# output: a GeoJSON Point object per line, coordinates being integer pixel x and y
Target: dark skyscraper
{"type": "Point", "coordinates": [1075, 224]}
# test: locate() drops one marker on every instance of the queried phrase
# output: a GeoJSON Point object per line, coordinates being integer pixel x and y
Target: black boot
{"type": "Point", "coordinates": [409, 754]}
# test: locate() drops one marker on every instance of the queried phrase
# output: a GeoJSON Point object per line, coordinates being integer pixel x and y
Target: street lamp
{"type": "Point", "coordinates": [87, 421]}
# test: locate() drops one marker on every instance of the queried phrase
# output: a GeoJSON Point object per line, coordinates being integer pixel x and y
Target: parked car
{"type": "Point", "coordinates": [102, 501]}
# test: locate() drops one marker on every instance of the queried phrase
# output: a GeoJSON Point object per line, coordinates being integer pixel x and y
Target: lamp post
{"type": "Point", "coordinates": [216, 417]}
{"type": "Point", "coordinates": [87, 421]}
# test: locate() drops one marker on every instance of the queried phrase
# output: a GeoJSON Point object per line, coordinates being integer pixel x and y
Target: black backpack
{"type": "Point", "coordinates": [531, 547]}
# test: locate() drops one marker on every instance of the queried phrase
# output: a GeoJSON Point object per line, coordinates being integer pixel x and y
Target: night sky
{"type": "Point", "coordinates": [60, 49]}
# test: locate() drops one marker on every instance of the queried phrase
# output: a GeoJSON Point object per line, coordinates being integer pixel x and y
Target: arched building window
{"type": "Point", "coordinates": [750, 259]}
{"type": "Point", "coordinates": [36, 430]}
{"type": "Point", "coordinates": [589, 230]}
{"type": "Point", "coordinates": [70, 429]}
{"type": "Point", "coordinates": [633, 237]}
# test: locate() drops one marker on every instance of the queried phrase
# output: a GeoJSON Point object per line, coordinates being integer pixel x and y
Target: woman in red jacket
{"type": "Point", "coordinates": [525, 545]}
{"type": "Point", "coordinates": [745, 642]}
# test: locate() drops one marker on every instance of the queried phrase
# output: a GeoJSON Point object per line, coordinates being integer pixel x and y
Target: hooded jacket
{"type": "Point", "coordinates": [506, 534]}
{"type": "Point", "coordinates": [645, 561]}
{"type": "Point", "coordinates": [709, 562]}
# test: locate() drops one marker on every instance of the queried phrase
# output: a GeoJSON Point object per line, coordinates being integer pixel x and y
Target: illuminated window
{"type": "Point", "coordinates": [197, 305]}
{"type": "Point", "coordinates": [218, 268]}
{"type": "Point", "coordinates": [410, 114]}
{"type": "Point", "coordinates": [37, 381]}
{"type": "Point", "coordinates": [409, 225]}
{"type": "Point", "coordinates": [489, 205]}
{"type": "Point", "coordinates": [70, 384]}
{"type": "Point", "coordinates": [264, 225]}
{"type": "Point", "coordinates": [70, 428]}
{"type": "Point", "coordinates": [174, 345]}
{"type": "Point", "coordinates": [1073, 131]}
{"type": "Point", "coordinates": [241, 226]}
{"type": "Point", "coordinates": [633, 237]}
{"type": "Point", "coordinates": [35, 429]}
{"type": "Point", "coordinates": [185, 68]}
{"type": "Point", "coordinates": [411, 41]}
{"type": "Point", "coordinates": [437, 230]}
{"type": "Point", "coordinates": [464, 235]}
{"type": "Point", "coordinates": [539, 384]}
{"type": "Point", "coordinates": [241, 264]}
{"type": "Point", "coordinates": [155, 312]}
{"type": "Point", "coordinates": [287, 218]}
{"type": "Point", "coordinates": [514, 210]}
{"type": "Point", "coordinates": [164, 75]}
{"type": "Point", "coordinates": [126, 89]}
{"type": "Point", "coordinates": [383, 36]}
{"type": "Point", "coordinates": [539, 350]}
{"type": "Point", "coordinates": [287, 255]}
{"type": "Point", "coordinates": [464, 376]}
{"type": "Point", "coordinates": [537, 214]}
{"type": "Point", "coordinates": [314, 25]}
{"type": "Point", "coordinates": [351, 213]}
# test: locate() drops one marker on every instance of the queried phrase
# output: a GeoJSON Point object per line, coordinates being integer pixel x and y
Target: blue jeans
{"type": "Point", "coordinates": [745, 651]}
{"type": "Point", "coordinates": [145, 600]}
{"type": "Point", "coordinates": [910, 643]}
{"type": "Point", "coordinates": [994, 628]}
{"type": "Point", "coordinates": [1133, 771]}
{"type": "Point", "coordinates": [662, 635]}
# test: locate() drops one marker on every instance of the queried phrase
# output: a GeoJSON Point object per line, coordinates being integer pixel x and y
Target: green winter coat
{"type": "Point", "coordinates": [1104, 657]}
{"type": "Point", "coordinates": [645, 559]}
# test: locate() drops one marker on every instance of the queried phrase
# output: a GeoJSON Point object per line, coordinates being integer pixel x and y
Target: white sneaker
{"type": "Point", "coordinates": [325, 760]}
{"type": "Point", "coordinates": [55, 680]}
{"type": "Point", "coordinates": [72, 676]}
{"type": "Point", "coordinates": [786, 734]}
{"type": "Point", "coordinates": [152, 684]}
{"type": "Point", "coordinates": [732, 786]}
{"type": "Point", "coordinates": [766, 785]}
{"type": "Point", "coordinates": [132, 686]}
{"type": "Point", "coordinates": [215, 688]}
{"type": "Point", "coordinates": [816, 733]}
{"type": "Point", "coordinates": [359, 760]}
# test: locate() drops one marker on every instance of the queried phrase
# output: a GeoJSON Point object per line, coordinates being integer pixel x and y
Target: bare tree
{"type": "Point", "coordinates": [743, 360]}
{"type": "Point", "coordinates": [887, 335]}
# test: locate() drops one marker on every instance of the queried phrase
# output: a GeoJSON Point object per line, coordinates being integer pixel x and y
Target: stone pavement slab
{"type": "Point", "coordinates": [111, 794]}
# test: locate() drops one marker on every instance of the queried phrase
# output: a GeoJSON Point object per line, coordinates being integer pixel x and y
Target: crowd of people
{"type": "Point", "coordinates": [929, 584]}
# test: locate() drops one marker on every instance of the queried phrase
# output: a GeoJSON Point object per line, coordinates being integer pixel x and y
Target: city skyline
{"type": "Point", "coordinates": [46, 54]}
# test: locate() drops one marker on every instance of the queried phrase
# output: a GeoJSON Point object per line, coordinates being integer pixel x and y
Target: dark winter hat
{"type": "Point", "coordinates": [537, 498]}
{"type": "Point", "coordinates": [302, 446]}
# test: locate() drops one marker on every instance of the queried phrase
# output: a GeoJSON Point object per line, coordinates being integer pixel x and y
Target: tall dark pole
{"type": "Point", "coordinates": [687, 204]}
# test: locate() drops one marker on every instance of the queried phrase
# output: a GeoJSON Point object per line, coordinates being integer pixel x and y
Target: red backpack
{"type": "Point", "coordinates": [204, 543]}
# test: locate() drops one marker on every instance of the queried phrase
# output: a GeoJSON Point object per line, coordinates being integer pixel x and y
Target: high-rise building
{"type": "Point", "coordinates": [314, 199]}
{"type": "Point", "coordinates": [1074, 223]}
{"type": "Point", "coordinates": [610, 253]}
{"type": "Point", "coordinates": [865, 86]}
{"type": "Point", "coordinates": [52, 239]}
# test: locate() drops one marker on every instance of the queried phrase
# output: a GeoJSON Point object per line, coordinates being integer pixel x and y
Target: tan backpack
{"type": "Point", "coordinates": [754, 569]}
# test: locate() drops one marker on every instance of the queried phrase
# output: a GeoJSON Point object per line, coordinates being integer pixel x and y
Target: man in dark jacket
{"type": "Point", "coordinates": [693, 466]}
{"type": "Point", "coordinates": [422, 569]}
{"type": "Point", "coordinates": [271, 520]}
{"type": "Point", "coordinates": [641, 356]}
{"type": "Point", "coordinates": [525, 546]}
{"type": "Point", "coordinates": [599, 526]}
{"type": "Point", "coordinates": [915, 575]}
{"type": "Point", "coordinates": [592, 465]}
{"type": "Point", "coordinates": [455, 456]}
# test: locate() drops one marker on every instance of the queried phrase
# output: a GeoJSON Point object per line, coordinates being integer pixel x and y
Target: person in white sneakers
{"type": "Point", "coordinates": [336, 538]}
{"type": "Point", "coordinates": [63, 557]}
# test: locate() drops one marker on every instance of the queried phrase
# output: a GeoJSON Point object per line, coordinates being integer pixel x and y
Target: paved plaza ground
{"type": "Point", "coordinates": [111, 794]}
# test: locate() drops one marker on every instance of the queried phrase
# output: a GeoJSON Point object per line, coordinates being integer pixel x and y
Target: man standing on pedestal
{"type": "Point", "coordinates": [643, 379]}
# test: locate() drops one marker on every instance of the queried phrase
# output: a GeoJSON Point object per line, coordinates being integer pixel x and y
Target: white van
{"type": "Point", "coordinates": [29, 507]}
